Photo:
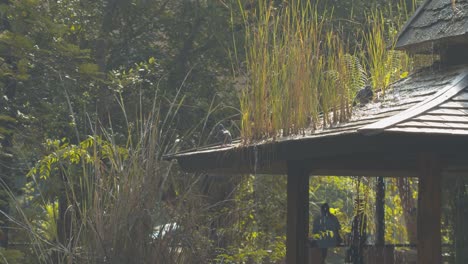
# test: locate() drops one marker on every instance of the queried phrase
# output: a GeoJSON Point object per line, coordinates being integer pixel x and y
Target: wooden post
{"type": "Point", "coordinates": [380, 212]}
{"type": "Point", "coordinates": [461, 226]}
{"type": "Point", "coordinates": [429, 210]}
{"type": "Point", "coordinates": [298, 214]}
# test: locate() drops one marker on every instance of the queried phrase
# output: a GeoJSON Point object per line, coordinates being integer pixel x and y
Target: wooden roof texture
{"type": "Point", "coordinates": [427, 104]}
{"type": "Point", "coordinates": [441, 112]}
{"type": "Point", "coordinates": [401, 98]}
{"type": "Point", "coordinates": [433, 24]}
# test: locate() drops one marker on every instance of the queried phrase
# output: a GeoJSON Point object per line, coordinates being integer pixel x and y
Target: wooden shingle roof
{"type": "Point", "coordinates": [434, 24]}
{"type": "Point", "coordinates": [430, 102]}
{"type": "Point", "coordinates": [401, 104]}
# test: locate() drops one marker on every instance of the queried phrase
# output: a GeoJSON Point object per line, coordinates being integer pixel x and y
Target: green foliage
{"type": "Point", "coordinates": [343, 77]}
{"type": "Point", "coordinates": [67, 66]}
{"type": "Point", "coordinates": [6, 123]}
{"type": "Point", "coordinates": [341, 194]}
{"type": "Point", "coordinates": [104, 187]}
{"type": "Point", "coordinates": [67, 70]}
{"type": "Point", "coordinates": [257, 227]}
{"type": "Point", "coordinates": [140, 75]}
{"type": "Point", "coordinates": [454, 214]}
{"type": "Point", "coordinates": [89, 68]}
{"type": "Point", "coordinates": [11, 256]}
{"type": "Point", "coordinates": [48, 226]}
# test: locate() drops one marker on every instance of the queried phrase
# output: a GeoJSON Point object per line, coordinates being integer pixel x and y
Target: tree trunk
{"type": "Point", "coordinates": [6, 158]}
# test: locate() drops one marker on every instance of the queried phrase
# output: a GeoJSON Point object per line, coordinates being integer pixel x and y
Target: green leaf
{"type": "Point", "coordinates": [89, 69]}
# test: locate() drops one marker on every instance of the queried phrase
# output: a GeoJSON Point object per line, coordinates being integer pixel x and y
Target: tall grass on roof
{"type": "Point", "coordinates": [385, 64]}
{"type": "Point", "coordinates": [297, 72]}
{"type": "Point", "coordinates": [302, 75]}
{"type": "Point", "coordinates": [283, 63]}
{"type": "Point", "coordinates": [344, 75]}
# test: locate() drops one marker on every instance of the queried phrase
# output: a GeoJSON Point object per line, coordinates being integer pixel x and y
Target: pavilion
{"type": "Point", "coordinates": [419, 128]}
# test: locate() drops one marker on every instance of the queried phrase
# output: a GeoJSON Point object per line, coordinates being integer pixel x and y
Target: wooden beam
{"type": "Point", "coordinates": [364, 173]}
{"type": "Point", "coordinates": [429, 210]}
{"type": "Point", "coordinates": [376, 165]}
{"type": "Point", "coordinates": [298, 214]}
{"type": "Point", "coordinates": [271, 157]}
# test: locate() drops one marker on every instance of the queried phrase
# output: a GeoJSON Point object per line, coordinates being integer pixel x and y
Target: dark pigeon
{"type": "Point", "coordinates": [364, 96]}
{"type": "Point", "coordinates": [223, 135]}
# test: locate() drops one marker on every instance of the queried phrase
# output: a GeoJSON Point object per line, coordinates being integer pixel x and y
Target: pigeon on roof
{"type": "Point", "coordinates": [364, 96]}
{"type": "Point", "coordinates": [223, 135]}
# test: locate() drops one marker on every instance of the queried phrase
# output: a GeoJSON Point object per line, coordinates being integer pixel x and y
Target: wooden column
{"type": "Point", "coordinates": [298, 214]}
{"type": "Point", "coordinates": [429, 210]}
{"type": "Point", "coordinates": [461, 224]}
{"type": "Point", "coordinates": [380, 212]}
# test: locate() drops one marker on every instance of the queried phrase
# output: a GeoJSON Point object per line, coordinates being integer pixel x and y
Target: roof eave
{"type": "Point", "coordinates": [431, 46]}
{"type": "Point", "coordinates": [318, 153]}
{"type": "Point", "coordinates": [398, 45]}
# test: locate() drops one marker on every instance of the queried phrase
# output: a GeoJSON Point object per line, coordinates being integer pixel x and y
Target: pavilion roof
{"type": "Point", "coordinates": [434, 24]}
{"type": "Point", "coordinates": [428, 102]}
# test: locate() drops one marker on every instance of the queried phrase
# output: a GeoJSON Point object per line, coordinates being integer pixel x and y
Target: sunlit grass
{"type": "Point", "coordinates": [100, 201]}
{"type": "Point", "coordinates": [302, 74]}
{"type": "Point", "coordinates": [284, 64]}
{"type": "Point", "coordinates": [385, 64]}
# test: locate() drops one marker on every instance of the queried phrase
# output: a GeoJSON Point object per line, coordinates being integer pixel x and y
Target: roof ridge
{"type": "Point", "coordinates": [451, 90]}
